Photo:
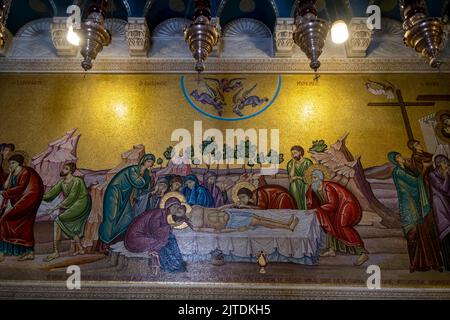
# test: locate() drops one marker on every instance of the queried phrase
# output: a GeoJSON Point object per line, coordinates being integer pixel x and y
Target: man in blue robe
{"type": "Point", "coordinates": [120, 196]}
{"type": "Point", "coordinates": [195, 193]}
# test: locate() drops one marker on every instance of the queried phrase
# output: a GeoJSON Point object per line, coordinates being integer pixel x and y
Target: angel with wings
{"type": "Point", "coordinates": [244, 100]}
{"type": "Point", "coordinates": [227, 85]}
{"type": "Point", "coordinates": [377, 88]}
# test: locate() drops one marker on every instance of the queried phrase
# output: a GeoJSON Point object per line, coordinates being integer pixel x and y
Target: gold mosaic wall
{"type": "Point", "coordinates": [114, 112]}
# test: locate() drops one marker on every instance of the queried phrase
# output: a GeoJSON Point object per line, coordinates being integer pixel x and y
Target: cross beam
{"type": "Point", "coordinates": [434, 97]}
{"type": "Point", "coordinates": [403, 105]}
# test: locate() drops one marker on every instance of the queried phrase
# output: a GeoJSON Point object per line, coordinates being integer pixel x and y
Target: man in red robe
{"type": "Point", "coordinates": [338, 212]}
{"type": "Point", "coordinates": [24, 191]}
{"type": "Point", "coordinates": [267, 197]}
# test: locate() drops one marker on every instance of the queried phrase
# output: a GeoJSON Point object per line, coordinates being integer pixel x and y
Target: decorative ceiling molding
{"type": "Point", "coordinates": [171, 28]}
{"type": "Point", "coordinates": [220, 65]}
{"type": "Point", "coordinates": [246, 27]}
{"type": "Point", "coordinates": [35, 28]}
{"type": "Point", "coordinates": [116, 27]}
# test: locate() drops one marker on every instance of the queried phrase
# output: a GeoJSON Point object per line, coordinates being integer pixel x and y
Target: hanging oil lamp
{"type": "Point", "coordinates": [5, 5]}
{"type": "Point", "coordinates": [201, 35]}
{"type": "Point", "coordinates": [426, 35]}
{"type": "Point", "coordinates": [311, 31]}
{"type": "Point", "coordinates": [94, 34]}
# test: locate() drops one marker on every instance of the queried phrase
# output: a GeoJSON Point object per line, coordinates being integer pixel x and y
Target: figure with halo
{"type": "Point", "coordinates": [151, 232]}
{"type": "Point", "coordinates": [338, 212]}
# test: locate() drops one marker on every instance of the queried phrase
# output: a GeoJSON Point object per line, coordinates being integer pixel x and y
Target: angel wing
{"type": "Point", "coordinates": [236, 96]}
{"type": "Point", "coordinates": [235, 81]}
{"type": "Point", "coordinates": [217, 94]}
{"type": "Point", "coordinates": [378, 88]}
{"type": "Point", "coordinates": [217, 81]}
{"type": "Point", "coordinates": [247, 93]}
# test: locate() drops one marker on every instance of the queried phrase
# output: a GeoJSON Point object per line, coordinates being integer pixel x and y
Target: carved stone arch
{"type": "Point", "coordinates": [34, 40]}
{"type": "Point", "coordinates": [117, 27]}
{"type": "Point", "coordinates": [246, 27]}
{"type": "Point", "coordinates": [127, 7]}
{"type": "Point", "coordinates": [173, 27]}
{"type": "Point", "coordinates": [147, 7]}
{"type": "Point", "coordinates": [35, 28]}
{"type": "Point", "coordinates": [224, 2]}
{"type": "Point", "coordinates": [119, 44]}
{"type": "Point", "coordinates": [247, 36]}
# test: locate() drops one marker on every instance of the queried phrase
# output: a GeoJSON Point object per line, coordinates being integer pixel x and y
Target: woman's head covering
{"type": "Point", "coordinates": [209, 174]}
{"type": "Point", "coordinates": [171, 202]}
{"type": "Point", "coordinates": [147, 157]}
{"type": "Point", "coordinates": [191, 177]}
{"type": "Point", "coordinates": [392, 157]}
{"type": "Point", "coordinates": [163, 180]}
{"type": "Point", "coordinates": [438, 159]}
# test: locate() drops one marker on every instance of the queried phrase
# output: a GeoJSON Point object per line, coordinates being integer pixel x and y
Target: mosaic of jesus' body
{"type": "Point", "coordinates": [159, 212]}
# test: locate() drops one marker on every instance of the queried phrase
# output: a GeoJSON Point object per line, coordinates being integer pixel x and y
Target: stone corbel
{"type": "Point", "coordinates": [8, 38]}
{"type": "Point", "coordinates": [359, 39]}
{"type": "Point", "coordinates": [138, 36]}
{"type": "Point", "coordinates": [283, 37]}
{"type": "Point", "coordinates": [59, 30]}
{"type": "Point", "coordinates": [217, 50]}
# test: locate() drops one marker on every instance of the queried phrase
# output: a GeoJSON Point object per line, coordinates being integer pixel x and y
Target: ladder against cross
{"type": "Point", "coordinates": [403, 108]}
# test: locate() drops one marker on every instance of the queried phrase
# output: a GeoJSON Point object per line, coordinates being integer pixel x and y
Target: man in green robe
{"type": "Point", "coordinates": [296, 168]}
{"type": "Point", "coordinates": [72, 213]}
{"type": "Point", "coordinates": [416, 217]}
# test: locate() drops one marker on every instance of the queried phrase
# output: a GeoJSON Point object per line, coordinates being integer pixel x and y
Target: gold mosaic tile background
{"type": "Point", "coordinates": [115, 112]}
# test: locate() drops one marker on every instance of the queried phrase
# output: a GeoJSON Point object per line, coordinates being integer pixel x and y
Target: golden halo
{"type": "Point", "coordinates": [25, 156]}
{"type": "Point", "coordinates": [173, 194]}
{"type": "Point", "coordinates": [439, 114]}
{"type": "Point", "coordinates": [439, 130]}
{"type": "Point", "coordinates": [238, 186]}
{"type": "Point", "coordinates": [314, 167]}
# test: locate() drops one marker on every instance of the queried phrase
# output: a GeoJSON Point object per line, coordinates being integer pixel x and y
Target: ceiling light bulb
{"type": "Point", "coordinates": [72, 37]}
{"type": "Point", "coordinates": [339, 32]}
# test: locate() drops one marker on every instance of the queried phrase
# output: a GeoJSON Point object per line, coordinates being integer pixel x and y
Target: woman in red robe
{"type": "Point", "coordinates": [338, 212]}
{"type": "Point", "coordinates": [24, 191]}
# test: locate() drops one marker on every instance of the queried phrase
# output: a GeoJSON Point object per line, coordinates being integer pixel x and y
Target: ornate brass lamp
{"type": "Point", "coordinates": [202, 35]}
{"type": "Point", "coordinates": [424, 34]}
{"type": "Point", "coordinates": [5, 5]}
{"type": "Point", "coordinates": [94, 35]}
{"type": "Point", "coordinates": [262, 261]}
{"type": "Point", "coordinates": [311, 31]}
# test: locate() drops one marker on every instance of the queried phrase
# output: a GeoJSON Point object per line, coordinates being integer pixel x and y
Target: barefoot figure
{"type": "Point", "coordinates": [24, 191]}
{"type": "Point", "coordinates": [72, 213]}
{"type": "Point", "coordinates": [338, 212]}
{"type": "Point", "coordinates": [225, 219]}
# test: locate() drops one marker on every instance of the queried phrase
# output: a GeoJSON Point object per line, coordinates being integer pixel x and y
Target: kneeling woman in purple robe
{"type": "Point", "coordinates": [150, 232]}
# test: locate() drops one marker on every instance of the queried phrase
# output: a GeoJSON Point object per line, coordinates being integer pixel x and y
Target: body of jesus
{"type": "Point", "coordinates": [219, 220]}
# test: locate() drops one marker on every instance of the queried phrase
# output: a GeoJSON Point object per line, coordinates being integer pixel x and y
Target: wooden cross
{"type": "Point", "coordinates": [403, 105]}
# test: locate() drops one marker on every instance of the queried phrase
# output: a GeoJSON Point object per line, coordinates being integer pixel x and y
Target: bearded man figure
{"type": "Point", "coordinates": [338, 212]}
{"type": "Point", "coordinates": [24, 192]}
{"type": "Point", "coordinates": [72, 213]}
